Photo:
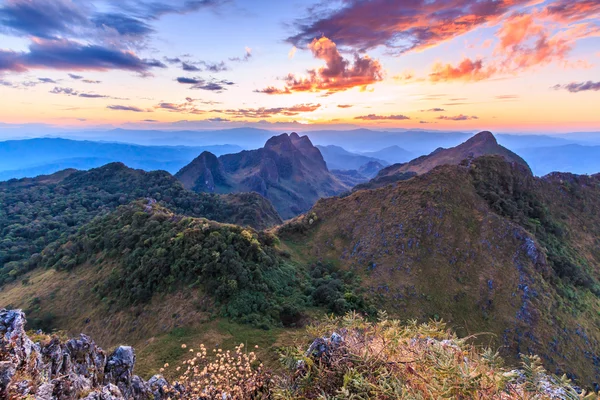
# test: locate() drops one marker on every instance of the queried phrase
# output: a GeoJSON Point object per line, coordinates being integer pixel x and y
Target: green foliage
{"type": "Point", "coordinates": [158, 251]}
{"type": "Point", "coordinates": [36, 213]}
{"type": "Point", "coordinates": [511, 192]}
{"type": "Point", "coordinates": [338, 292]}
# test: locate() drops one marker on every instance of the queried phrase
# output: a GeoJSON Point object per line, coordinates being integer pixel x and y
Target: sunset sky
{"type": "Point", "coordinates": [503, 65]}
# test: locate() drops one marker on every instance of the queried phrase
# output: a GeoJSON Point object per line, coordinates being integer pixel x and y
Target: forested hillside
{"type": "Point", "coordinates": [38, 212]}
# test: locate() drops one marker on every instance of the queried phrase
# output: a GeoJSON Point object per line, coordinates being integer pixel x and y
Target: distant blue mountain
{"type": "Point", "coordinates": [32, 157]}
{"type": "Point", "coordinates": [572, 158]}
{"type": "Point", "coordinates": [338, 158]}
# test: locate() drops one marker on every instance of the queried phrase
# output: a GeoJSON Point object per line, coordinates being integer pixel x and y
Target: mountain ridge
{"type": "Point", "coordinates": [288, 170]}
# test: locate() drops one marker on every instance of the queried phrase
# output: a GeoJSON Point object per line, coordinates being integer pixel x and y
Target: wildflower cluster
{"type": "Point", "coordinates": [226, 375]}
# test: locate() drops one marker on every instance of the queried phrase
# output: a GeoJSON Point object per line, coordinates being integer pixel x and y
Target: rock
{"type": "Point", "coordinates": [323, 347]}
{"type": "Point", "coordinates": [66, 370]}
{"type": "Point", "coordinates": [119, 369]}
{"type": "Point", "coordinates": [158, 386]}
{"type": "Point", "coordinates": [108, 392]}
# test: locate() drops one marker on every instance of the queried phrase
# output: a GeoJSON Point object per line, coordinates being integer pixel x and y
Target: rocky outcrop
{"type": "Point", "coordinates": [75, 369]}
{"type": "Point", "coordinates": [288, 171]}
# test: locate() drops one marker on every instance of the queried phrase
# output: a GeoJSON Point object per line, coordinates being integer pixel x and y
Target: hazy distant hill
{"type": "Point", "coordinates": [483, 245]}
{"type": "Point", "coordinates": [21, 158]}
{"type": "Point", "coordinates": [570, 158]}
{"type": "Point", "coordinates": [247, 138]}
{"type": "Point", "coordinates": [393, 154]}
{"type": "Point", "coordinates": [288, 170]}
{"type": "Point", "coordinates": [337, 157]}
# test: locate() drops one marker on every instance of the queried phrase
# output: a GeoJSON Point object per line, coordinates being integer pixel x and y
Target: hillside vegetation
{"type": "Point", "coordinates": [44, 210]}
{"type": "Point", "coordinates": [483, 245]}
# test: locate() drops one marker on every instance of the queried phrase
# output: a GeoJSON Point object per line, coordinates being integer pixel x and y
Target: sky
{"type": "Point", "coordinates": [502, 65]}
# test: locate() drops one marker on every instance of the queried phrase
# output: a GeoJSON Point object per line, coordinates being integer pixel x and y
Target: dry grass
{"type": "Point", "coordinates": [389, 360]}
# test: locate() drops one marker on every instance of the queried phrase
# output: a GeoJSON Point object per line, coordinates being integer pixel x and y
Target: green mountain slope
{"type": "Point", "coordinates": [37, 212]}
{"type": "Point", "coordinates": [483, 245]}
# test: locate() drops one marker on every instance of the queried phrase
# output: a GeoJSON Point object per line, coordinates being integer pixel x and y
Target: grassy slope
{"type": "Point", "coordinates": [156, 330]}
{"type": "Point", "coordinates": [432, 247]}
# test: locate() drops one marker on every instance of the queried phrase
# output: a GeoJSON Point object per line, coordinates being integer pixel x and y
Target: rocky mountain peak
{"type": "Point", "coordinates": [485, 137]}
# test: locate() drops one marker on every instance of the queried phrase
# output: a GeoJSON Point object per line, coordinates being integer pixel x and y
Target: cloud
{"type": "Point", "coordinates": [46, 80]}
{"type": "Point", "coordinates": [567, 11]}
{"type": "Point", "coordinates": [91, 81]}
{"type": "Point", "coordinates": [525, 43]}
{"type": "Point", "coordinates": [73, 76]}
{"type": "Point", "coordinates": [434, 110]}
{"type": "Point", "coordinates": [292, 52]}
{"type": "Point", "coordinates": [214, 66]}
{"type": "Point", "coordinates": [86, 35]}
{"type": "Point", "coordinates": [189, 67]}
{"type": "Point", "coordinates": [72, 92]}
{"type": "Point", "coordinates": [122, 24]}
{"type": "Point", "coordinates": [576, 87]}
{"type": "Point", "coordinates": [375, 117]}
{"type": "Point", "coordinates": [530, 39]}
{"type": "Point", "coordinates": [507, 97]}
{"type": "Point", "coordinates": [337, 75]}
{"type": "Point", "coordinates": [50, 19]}
{"type": "Point", "coordinates": [126, 108]}
{"type": "Point", "coordinates": [345, 105]}
{"type": "Point", "coordinates": [405, 76]}
{"type": "Point", "coordinates": [400, 26]}
{"type": "Point", "coordinates": [174, 60]}
{"type": "Point", "coordinates": [206, 66]}
{"type": "Point", "coordinates": [68, 55]}
{"type": "Point", "coordinates": [247, 56]}
{"type": "Point", "coordinates": [64, 90]}
{"type": "Point", "coordinates": [187, 107]}
{"type": "Point", "coordinates": [457, 118]}
{"type": "Point", "coordinates": [467, 70]}
{"type": "Point", "coordinates": [190, 81]}
{"type": "Point", "coordinates": [150, 120]}
{"type": "Point", "coordinates": [218, 119]}
{"type": "Point", "coordinates": [263, 112]}
{"type": "Point", "coordinates": [41, 18]}
{"type": "Point", "coordinates": [213, 85]}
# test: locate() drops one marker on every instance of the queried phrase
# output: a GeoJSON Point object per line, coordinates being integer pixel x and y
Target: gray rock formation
{"type": "Point", "coordinates": [75, 369]}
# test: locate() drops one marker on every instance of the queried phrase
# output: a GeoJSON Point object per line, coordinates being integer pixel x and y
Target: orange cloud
{"type": "Point", "coordinates": [467, 70]}
{"type": "Point", "coordinates": [527, 41]}
{"type": "Point", "coordinates": [375, 117]}
{"type": "Point", "coordinates": [567, 11]}
{"type": "Point", "coordinates": [524, 44]}
{"type": "Point", "coordinates": [338, 74]}
{"type": "Point", "coordinates": [263, 112]}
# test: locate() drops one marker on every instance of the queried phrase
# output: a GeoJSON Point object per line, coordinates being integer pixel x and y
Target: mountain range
{"type": "Point", "coordinates": [33, 157]}
{"type": "Point", "coordinates": [484, 143]}
{"type": "Point", "coordinates": [288, 170]}
{"type": "Point", "coordinates": [467, 235]}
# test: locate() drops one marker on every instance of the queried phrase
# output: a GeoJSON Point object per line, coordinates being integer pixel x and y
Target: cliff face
{"type": "Point", "coordinates": [288, 170]}
{"type": "Point", "coordinates": [75, 369]}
